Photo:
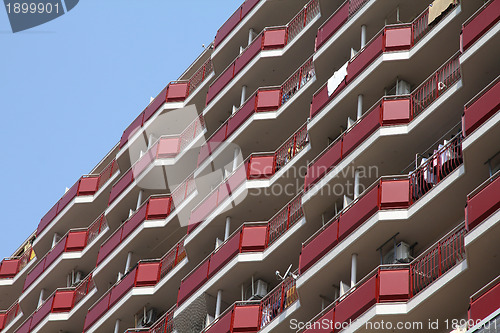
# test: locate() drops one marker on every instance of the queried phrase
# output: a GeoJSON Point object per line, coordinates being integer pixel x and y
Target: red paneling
{"type": "Point", "coordinates": [485, 305]}
{"type": "Point", "coordinates": [363, 59]}
{"type": "Point", "coordinates": [261, 167]}
{"type": "Point", "coordinates": [45, 221]}
{"type": "Point", "coordinates": [239, 117]}
{"type": "Point", "coordinates": [358, 213]}
{"type": "Point", "coordinates": [227, 27]}
{"type": "Point", "coordinates": [246, 318]}
{"type": "Point", "coordinates": [63, 301]}
{"type": "Point", "coordinates": [334, 23]}
{"type": "Point", "coordinates": [395, 194]}
{"type": "Point", "coordinates": [325, 163]}
{"type": "Point", "coordinates": [2, 320]}
{"type": "Point", "coordinates": [144, 162]}
{"type": "Point", "coordinates": [483, 204]}
{"type": "Point", "coordinates": [8, 268]}
{"type": "Point", "coordinates": [397, 39]}
{"type": "Point", "coordinates": [357, 302]}
{"type": "Point", "coordinates": [319, 101]}
{"type": "Point", "coordinates": [41, 313]}
{"type": "Point", "coordinates": [237, 178]}
{"type": "Point", "coordinates": [217, 138]}
{"type": "Point", "coordinates": [34, 274]}
{"type": "Point", "coordinates": [96, 311]}
{"type": "Point", "coordinates": [319, 246]}
{"type": "Point", "coordinates": [192, 282]}
{"type": "Point", "coordinates": [482, 109]}
{"type": "Point", "coordinates": [274, 39]}
{"type": "Point", "coordinates": [131, 129]}
{"type": "Point", "coordinates": [177, 92]}
{"type": "Point", "coordinates": [25, 328]}
{"type": "Point", "coordinates": [361, 131]}
{"type": "Point", "coordinates": [223, 193]}
{"type": "Point", "coordinates": [396, 111]}
{"type": "Point", "coordinates": [122, 288]}
{"type": "Point", "coordinates": [168, 147]}
{"type": "Point", "coordinates": [247, 7]}
{"type": "Point", "coordinates": [224, 254]}
{"type": "Point", "coordinates": [268, 100]}
{"type": "Point", "coordinates": [109, 245]}
{"type": "Point", "coordinates": [77, 240]}
{"type": "Point", "coordinates": [158, 208]}
{"type": "Point", "coordinates": [134, 221]}
{"type": "Point", "coordinates": [88, 186]}
{"type": "Point", "coordinates": [223, 325]}
{"type": "Point", "coordinates": [206, 207]}
{"type": "Point", "coordinates": [121, 185]}
{"type": "Point", "coordinates": [55, 253]}
{"type": "Point", "coordinates": [249, 53]}
{"type": "Point", "coordinates": [323, 324]}
{"type": "Point", "coordinates": [253, 239]}
{"type": "Point", "coordinates": [147, 274]}
{"type": "Point", "coordinates": [155, 104]}
{"type": "Point", "coordinates": [220, 83]}
{"type": "Point", "coordinates": [203, 154]}
{"type": "Point", "coordinates": [480, 24]}
{"type": "Point", "coordinates": [67, 197]}
{"type": "Point", "coordinates": [394, 285]}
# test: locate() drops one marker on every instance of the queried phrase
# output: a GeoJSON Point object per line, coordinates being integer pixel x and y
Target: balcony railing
{"type": "Point", "coordinates": [250, 237]}
{"type": "Point", "coordinates": [389, 39]}
{"type": "Point", "coordinates": [483, 201]}
{"type": "Point", "coordinates": [10, 267]}
{"type": "Point", "coordinates": [163, 325]}
{"type": "Point", "coordinates": [175, 91]}
{"type": "Point", "coordinates": [6, 317]}
{"type": "Point", "coordinates": [395, 283]}
{"type": "Point", "coordinates": [263, 100]}
{"type": "Point", "coordinates": [269, 39]}
{"type": "Point", "coordinates": [253, 316]}
{"type": "Point", "coordinates": [484, 302]}
{"type": "Point", "coordinates": [234, 20]}
{"type": "Point", "coordinates": [62, 300]}
{"type": "Point", "coordinates": [146, 273]}
{"type": "Point", "coordinates": [405, 191]}
{"type": "Point", "coordinates": [86, 185]}
{"type": "Point", "coordinates": [168, 146]}
{"type": "Point", "coordinates": [75, 240]}
{"type": "Point", "coordinates": [156, 207]}
{"type": "Point", "coordinates": [479, 23]}
{"type": "Point", "coordinates": [390, 110]}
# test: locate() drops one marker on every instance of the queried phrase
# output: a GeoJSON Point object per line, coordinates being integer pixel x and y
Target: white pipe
{"type": "Point", "coordinates": [40, 298]}
{"type": "Point", "coordinates": [356, 184]}
{"type": "Point", "coordinates": [354, 263]}
{"type": "Point", "coordinates": [360, 106]}
{"type": "Point", "coordinates": [234, 109]}
{"type": "Point", "coordinates": [242, 292]}
{"type": "Point", "coordinates": [219, 303]}
{"type": "Point", "coordinates": [363, 36]}
{"type": "Point", "coordinates": [251, 33]}
{"type": "Point", "coordinates": [55, 239]}
{"type": "Point", "coordinates": [129, 261]}
{"type": "Point", "coordinates": [139, 199]}
{"type": "Point", "coordinates": [227, 228]}
{"type": "Point", "coordinates": [117, 326]}
{"type": "Point", "coordinates": [243, 95]}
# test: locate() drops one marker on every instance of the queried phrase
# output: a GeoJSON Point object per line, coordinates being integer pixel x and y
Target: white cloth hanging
{"type": "Point", "coordinates": [337, 79]}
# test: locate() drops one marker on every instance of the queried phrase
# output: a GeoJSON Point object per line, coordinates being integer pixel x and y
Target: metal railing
{"type": "Point", "coordinates": [10, 314]}
{"type": "Point", "coordinates": [284, 219]}
{"type": "Point", "coordinates": [297, 80]}
{"type": "Point", "coordinates": [301, 20]}
{"type": "Point", "coordinates": [293, 146]}
{"type": "Point", "coordinates": [278, 300]}
{"type": "Point", "coordinates": [200, 75]}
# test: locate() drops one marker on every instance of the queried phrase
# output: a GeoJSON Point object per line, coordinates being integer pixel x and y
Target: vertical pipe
{"type": "Point", "coordinates": [242, 292]}
{"type": "Point", "coordinates": [360, 106]}
{"type": "Point", "coordinates": [363, 36]}
{"type": "Point", "coordinates": [218, 304]}
{"type": "Point", "coordinates": [354, 263]}
{"type": "Point", "coordinates": [227, 228]}
{"type": "Point", "coordinates": [139, 199]}
{"type": "Point", "coordinates": [235, 158]}
{"type": "Point", "coordinates": [55, 239]}
{"type": "Point", "coordinates": [117, 326]}
{"type": "Point", "coordinates": [40, 298]}
{"type": "Point", "coordinates": [128, 262]}
{"type": "Point", "coordinates": [251, 33]}
{"type": "Point", "coordinates": [356, 184]}
{"type": "Point", "coordinates": [243, 95]}
{"type": "Point", "coordinates": [234, 110]}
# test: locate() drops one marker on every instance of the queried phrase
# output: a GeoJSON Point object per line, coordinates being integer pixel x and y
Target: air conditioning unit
{"type": "Point", "coordinates": [147, 319]}
{"type": "Point", "coordinates": [401, 254]}
{"type": "Point", "coordinates": [257, 291]}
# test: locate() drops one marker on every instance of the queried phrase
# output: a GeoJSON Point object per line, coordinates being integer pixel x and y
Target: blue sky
{"type": "Point", "coordinates": [70, 87]}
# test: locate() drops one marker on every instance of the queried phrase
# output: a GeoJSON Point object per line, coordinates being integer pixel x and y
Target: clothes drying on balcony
{"type": "Point", "coordinates": [337, 78]}
{"type": "Point", "coordinates": [437, 7]}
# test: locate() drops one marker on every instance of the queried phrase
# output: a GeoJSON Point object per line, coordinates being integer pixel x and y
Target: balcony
{"type": "Point", "coordinates": [10, 267]}
{"type": "Point", "coordinates": [163, 325]}
{"type": "Point", "coordinates": [145, 282]}
{"type": "Point", "coordinates": [484, 305]}
{"type": "Point", "coordinates": [479, 23]}
{"type": "Point", "coordinates": [62, 301]}
{"type": "Point", "coordinates": [483, 202]}
{"type": "Point", "coordinates": [9, 316]}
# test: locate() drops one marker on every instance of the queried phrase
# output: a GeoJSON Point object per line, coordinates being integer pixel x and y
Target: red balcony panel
{"type": "Point", "coordinates": [155, 104]}
{"type": "Point", "coordinates": [122, 288]}
{"type": "Point", "coordinates": [237, 178]}
{"type": "Point", "coordinates": [144, 162]}
{"type": "Point", "coordinates": [177, 92]}
{"type": "Point", "coordinates": [25, 328]}
{"type": "Point", "coordinates": [55, 253]}
{"type": "Point", "coordinates": [247, 7]}
{"type": "Point", "coordinates": [121, 185]}
{"type": "Point", "coordinates": [223, 325]}
{"type": "Point", "coordinates": [67, 197]}
{"type": "Point", "coordinates": [77, 240]}
{"type": "Point", "coordinates": [395, 194]}
{"type": "Point", "coordinates": [8, 268]}
{"type": "Point", "coordinates": [131, 129]}
{"type": "Point", "coordinates": [357, 302]}
{"type": "Point", "coordinates": [485, 305]}
{"type": "Point", "coordinates": [268, 100]}
{"type": "Point", "coordinates": [159, 208]}
{"type": "Point", "coordinates": [319, 246]}
{"type": "Point", "coordinates": [364, 58]}
{"type": "Point", "coordinates": [261, 167]}
{"type": "Point", "coordinates": [334, 23]}
{"type": "Point", "coordinates": [63, 301]}
{"type": "Point", "coordinates": [246, 318]}
{"type": "Point", "coordinates": [192, 282]}
{"type": "Point", "coordinates": [168, 147]}
{"type": "Point", "coordinates": [319, 325]}
{"type": "Point", "coordinates": [361, 131]}
{"type": "Point", "coordinates": [253, 239]}
{"type": "Point", "coordinates": [224, 254]}
{"type": "Point", "coordinates": [324, 164]}
{"type": "Point", "coordinates": [398, 39]}
{"type": "Point", "coordinates": [358, 213]}
{"type": "Point", "coordinates": [41, 313]}
{"type": "Point", "coordinates": [250, 52]}
{"type": "Point", "coordinates": [220, 83]}
{"type": "Point", "coordinates": [203, 154]}
{"type": "Point", "coordinates": [394, 285]}
{"type": "Point", "coordinates": [96, 311]}
{"type": "Point", "coordinates": [134, 221]}
{"type": "Point", "coordinates": [219, 137]}
{"type": "Point", "coordinates": [320, 99]}
{"type": "Point", "coordinates": [109, 245]}
{"type": "Point", "coordinates": [88, 186]}
{"type": "Point", "coordinates": [45, 221]}
{"type": "Point", "coordinates": [396, 111]}
{"type": "Point", "coordinates": [34, 273]}
{"type": "Point", "coordinates": [147, 274]}
{"type": "Point", "coordinates": [274, 39]}
{"type": "Point", "coordinates": [204, 209]}
{"type": "Point", "coordinates": [474, 29]}
{"type": "Point", "coordinates": [227, 27]}
{"type": "Point", "coordinates": [241, 116]}
{"type": "Point", "coordinates": [2, 320]}
{"type": "Point", "coordinates": [482, 109]}
{"type": "Point", "coordinates": [483, 204]}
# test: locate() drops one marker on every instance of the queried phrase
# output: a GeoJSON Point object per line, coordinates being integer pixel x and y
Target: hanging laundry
{"type": "Point", "coordinates": [337, 78]}
{"type": "Point", "coordinates": [437, 7]}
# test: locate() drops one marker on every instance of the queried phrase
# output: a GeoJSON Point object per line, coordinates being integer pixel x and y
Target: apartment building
{"type": "Point", "coordinates": [323, 166]}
